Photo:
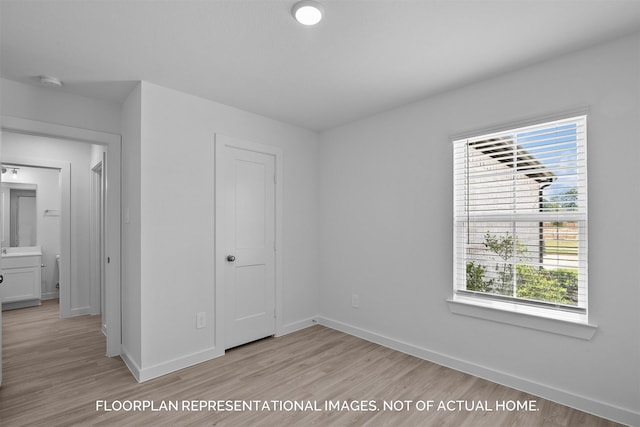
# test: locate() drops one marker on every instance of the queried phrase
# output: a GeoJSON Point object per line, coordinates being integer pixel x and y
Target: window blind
{"type": "Point", "coordinates": [520, 214]}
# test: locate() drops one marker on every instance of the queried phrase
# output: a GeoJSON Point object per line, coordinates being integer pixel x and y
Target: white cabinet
{"type": "Point", "coordinates": [21, 268]}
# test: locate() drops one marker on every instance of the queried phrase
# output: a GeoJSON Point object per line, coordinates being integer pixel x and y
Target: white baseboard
{"type": "Point", "coordinates": [582, 403]}
{"type": "Point", "coordinates": [50, 295]}
{"type": "Point", "coordinates": [128, 361]}
{"type": "Point", "coordinates": [80, 311]}
{"type": "Point", "coordinates": [145, 374]}
{"type": "Point", "coordinates": [20, 304]}
{"type": "Point", "coordinates": [295, 326]}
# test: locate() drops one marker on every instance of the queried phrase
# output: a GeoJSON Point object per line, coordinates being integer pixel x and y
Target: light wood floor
{"type": "Point", "coordinates": [55, 370]}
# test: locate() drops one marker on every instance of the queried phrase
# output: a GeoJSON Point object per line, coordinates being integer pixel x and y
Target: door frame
{"type": "Point", "coordinates": [96, 239]}
{"type": "Point", "coordinates": [220, 262]}
{"type": "Point", "coordinates": [112, 177]}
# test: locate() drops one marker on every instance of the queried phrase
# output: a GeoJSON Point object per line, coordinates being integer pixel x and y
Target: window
{"type": "Point", "coordinates": [520, 219]}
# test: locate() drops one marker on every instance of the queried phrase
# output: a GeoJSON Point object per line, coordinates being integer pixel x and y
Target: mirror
{"type": "Point", "coordinates": [18, 205]}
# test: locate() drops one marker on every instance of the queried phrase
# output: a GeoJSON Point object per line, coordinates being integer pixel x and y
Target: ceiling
{"type": "Point", "coordinates": [366, 56]}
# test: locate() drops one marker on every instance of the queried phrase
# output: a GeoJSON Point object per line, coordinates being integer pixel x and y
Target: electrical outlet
{"type": "Point", "coordinates": [355, 301]}
{"type": "Point", "coordinates": [201, 320]}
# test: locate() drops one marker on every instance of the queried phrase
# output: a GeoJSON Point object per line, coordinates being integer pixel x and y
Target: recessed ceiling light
{"type": "Point", "coordinates": [307, 12]}
{"type": "Point", "coordinates": [50, 81]}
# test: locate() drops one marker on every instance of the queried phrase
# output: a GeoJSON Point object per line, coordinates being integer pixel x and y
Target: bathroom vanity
{"type": "Point", "coordinates": [21, 268]}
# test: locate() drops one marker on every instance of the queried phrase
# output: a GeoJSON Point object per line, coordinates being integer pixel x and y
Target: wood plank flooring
{"type": "Point", "coordinates": [54, 371]}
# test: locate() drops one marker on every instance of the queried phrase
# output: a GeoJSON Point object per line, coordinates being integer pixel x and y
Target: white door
{"type": "Point", "coordinates": [247, 248]}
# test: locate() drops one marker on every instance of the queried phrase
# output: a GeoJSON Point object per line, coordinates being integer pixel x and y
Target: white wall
{"type": "Point", "coordinates": [386, 230]}
{"type": "Point", "coordinates": [48, 196]}
{"type": "Point", "coordinates": [175, 219]}
{"type": "Point", "coordinates": [53, 106]}
{"type": "Point", "coordinates": [35, 149]}
{"type": "Point", "coordinates": [131, 296]}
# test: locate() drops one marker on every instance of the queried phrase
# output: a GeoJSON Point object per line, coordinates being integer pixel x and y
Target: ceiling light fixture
{"type": "Point", "coordinates": [307, 12]}
{"type": "Point", "coordinates": [50, 81]}
{"type": "Point", "coordinates": [13, 169]}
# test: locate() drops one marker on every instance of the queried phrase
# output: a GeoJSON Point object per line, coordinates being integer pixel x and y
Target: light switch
{"type": "Point", "coordinates": [201, 320]}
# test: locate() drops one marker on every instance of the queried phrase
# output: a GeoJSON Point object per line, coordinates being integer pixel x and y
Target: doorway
{"type": "Point", "coordinates": [111, 215]}
{"type": "Point", "coordinates": [31, 201]}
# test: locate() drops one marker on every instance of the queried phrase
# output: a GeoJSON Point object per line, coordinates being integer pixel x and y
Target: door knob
{"type": "Point", "coordinates": [231, 258]}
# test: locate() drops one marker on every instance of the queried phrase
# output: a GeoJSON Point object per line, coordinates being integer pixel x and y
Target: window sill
{"type": "Point", "coordinates": [527, 317]}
